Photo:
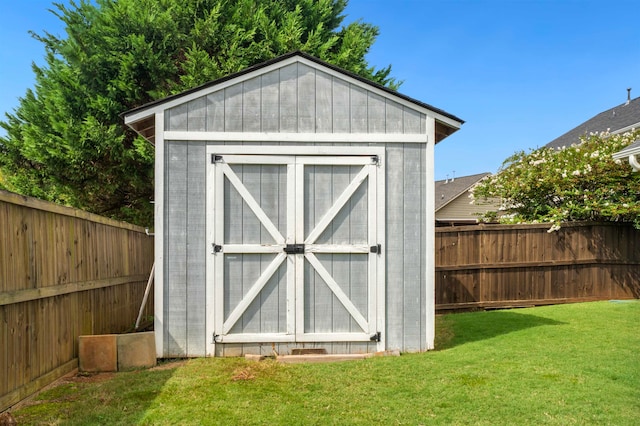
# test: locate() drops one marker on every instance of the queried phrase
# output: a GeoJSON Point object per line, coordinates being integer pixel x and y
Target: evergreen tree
{"type": "Point", "coordinates": [66, 141]}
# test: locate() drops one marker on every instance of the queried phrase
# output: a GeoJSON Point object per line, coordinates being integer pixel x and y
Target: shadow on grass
{"type": "Point", "coordinates": [114, 398]}
{"type": "Point", "coordinates": [457, 329]}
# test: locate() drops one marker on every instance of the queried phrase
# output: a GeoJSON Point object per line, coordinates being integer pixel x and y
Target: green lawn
{"type": "Point", "coordinates": [566, 364]}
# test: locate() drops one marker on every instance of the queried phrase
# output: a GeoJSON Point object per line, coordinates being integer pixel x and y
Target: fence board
{"type": "Point", "coordinates": [63, 273]}
{"type": "Point", "coordinates": [523, 265]}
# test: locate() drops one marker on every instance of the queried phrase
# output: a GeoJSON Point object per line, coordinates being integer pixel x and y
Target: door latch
{"type": "Point", "coordinates": [294, 249]}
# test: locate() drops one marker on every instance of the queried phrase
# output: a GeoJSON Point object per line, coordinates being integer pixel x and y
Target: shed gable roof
{"type": "Point", "coordinates": [142, 119]}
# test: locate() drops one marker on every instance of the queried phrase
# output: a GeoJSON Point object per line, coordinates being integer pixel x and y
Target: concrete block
{"type": "Point", "coordinates": [136, 350]}
{"type": "Point", "coordinates": [97, 353]}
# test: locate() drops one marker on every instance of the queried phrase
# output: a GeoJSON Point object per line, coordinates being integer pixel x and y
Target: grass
{"type": "Point", "coordinates": [566, 364]}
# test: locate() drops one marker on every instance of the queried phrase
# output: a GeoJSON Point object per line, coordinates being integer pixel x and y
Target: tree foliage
{"type": "Point", "coordinates": [576, 183]}
{"type": "Point", "coordinates": [66, 141]}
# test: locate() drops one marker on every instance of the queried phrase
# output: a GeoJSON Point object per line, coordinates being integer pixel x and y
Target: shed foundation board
{"type": "Point", "coordinates": [297, 359]}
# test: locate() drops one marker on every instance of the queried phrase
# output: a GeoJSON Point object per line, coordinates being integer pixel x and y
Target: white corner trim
{"type": "Point", "coordinates": [430, 263]}
{"type": "Point", "coordinates": [633, 161]}
{"type": "Point", "coordinates": [158, 293]}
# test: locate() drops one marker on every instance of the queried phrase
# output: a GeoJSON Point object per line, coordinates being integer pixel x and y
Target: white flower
{"type": "Point", "coordinates": [595, 154]}
{"type": "Point", "coordinates": [576, 173]}
{"type": "Point", "coordinates": [618, 161]}
{"type": "Point", "coordinates": [553, 228]}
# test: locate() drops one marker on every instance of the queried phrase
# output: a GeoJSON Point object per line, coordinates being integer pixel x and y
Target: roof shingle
{"type": "Point", "coordinates": [621, 117]}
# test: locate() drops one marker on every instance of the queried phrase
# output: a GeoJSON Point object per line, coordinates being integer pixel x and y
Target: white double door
{"type": "Point", "coordinates": [296, 249]}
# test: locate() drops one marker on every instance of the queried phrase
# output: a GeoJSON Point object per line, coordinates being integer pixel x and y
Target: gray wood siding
{"type": "Point", "coordinates": [405, 250]}
{"type": "Point", "coordinates": [295, 98]}
{"type": "Point", "coordinates": [185, 249]}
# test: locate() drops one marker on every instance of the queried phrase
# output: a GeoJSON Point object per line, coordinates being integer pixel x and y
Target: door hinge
{"type": "Point", "coordinates": [215, 158]}
{"type": "Point", "coordinates": [376, 337]}
{"type": "Point", "coordinates": [294, 249]}
{"type": "Point", "coordinates": [375, 159]}
{"type": "Point", "coordinates": [215, 248]}
{"type": "Point", "coordinates": [216, 337]}
{"type": "Point", "coordinates": [376, 249]}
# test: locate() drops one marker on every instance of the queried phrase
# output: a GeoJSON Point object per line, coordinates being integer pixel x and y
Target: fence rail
{"type": "Point", "coordinates": [63, 273]}
{"type": "Point", "coordinates": [489, 266]}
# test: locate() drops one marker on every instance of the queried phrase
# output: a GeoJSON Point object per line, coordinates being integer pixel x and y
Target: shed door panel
{"type": "Point", "coordinates": [295, 263]}
{"type": "Point", "coordinates": [253, 291]}
{"type": "Point", "coordinates": [336, 282]}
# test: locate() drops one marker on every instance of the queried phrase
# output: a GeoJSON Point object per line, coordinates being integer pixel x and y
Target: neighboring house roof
{"type": "Point", "coordinates": [448, 190]}
{"type": "Point", "coordinates": [453, 204]}
{"type": "Point", "coordinates": [142, 119]}
{"type": "Point", "coordinates": [618, 119]}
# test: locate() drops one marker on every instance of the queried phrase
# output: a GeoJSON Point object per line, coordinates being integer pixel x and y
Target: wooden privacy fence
{"type": "Point", "coordinates": [63, 273]}
{"type": "Point", "coordinates": [521, 265]}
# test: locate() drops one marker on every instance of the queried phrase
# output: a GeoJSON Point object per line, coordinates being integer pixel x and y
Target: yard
{"type": "Point", "coordinates": [564, 364]}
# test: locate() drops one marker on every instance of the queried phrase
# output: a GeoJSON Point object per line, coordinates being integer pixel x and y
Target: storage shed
{"type": "Point", "coordinates": [294, 208]}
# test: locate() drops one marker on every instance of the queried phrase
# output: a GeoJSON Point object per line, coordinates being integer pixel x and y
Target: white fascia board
{"type": "Point", "coordinates": [626, 153]}
{"type": "Point", "coordinates": [457, 219]}
{"type": "Point", "coordinates": [140, 115]}
{"type": "Point", "coordinates": [627, 129]}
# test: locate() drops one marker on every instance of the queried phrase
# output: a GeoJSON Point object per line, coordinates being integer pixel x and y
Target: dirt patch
{"type": "Point", "coordinates": [87, 378]}
{"type": "Point", "coordinates": [243, 374]}
{"type": "Point", "coordinates": [255, 370]}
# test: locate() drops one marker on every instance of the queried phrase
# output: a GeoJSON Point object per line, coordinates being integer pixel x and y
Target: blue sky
{"type": "Point", "coordinates": [519, 72]}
